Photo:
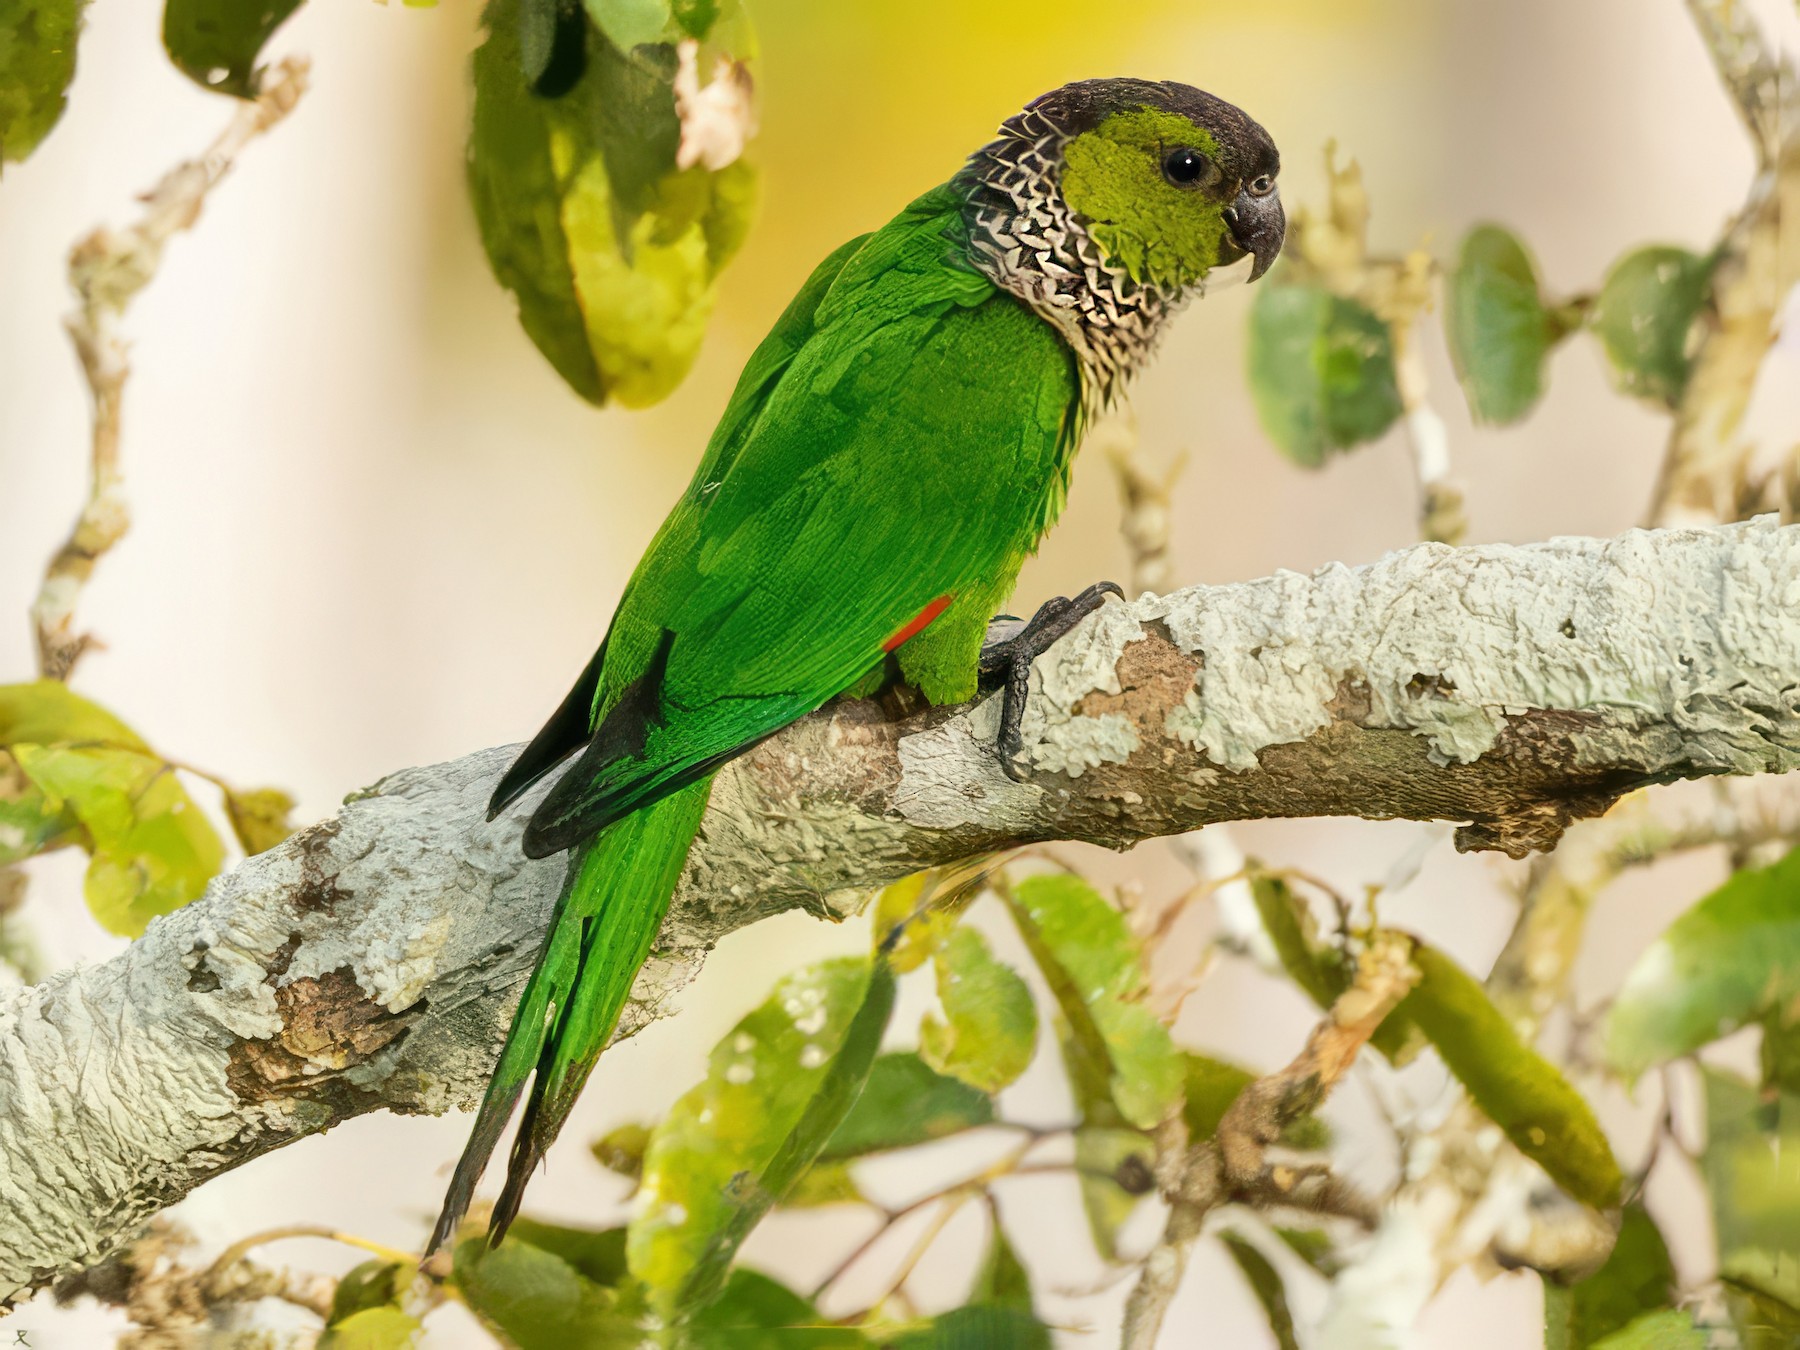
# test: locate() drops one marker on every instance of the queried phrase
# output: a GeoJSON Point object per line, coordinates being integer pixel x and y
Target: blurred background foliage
{"type": "Point", "coordinates": [609, 192]}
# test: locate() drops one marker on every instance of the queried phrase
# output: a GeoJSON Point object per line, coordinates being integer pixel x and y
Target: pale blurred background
{"type": "Point", "coordinates": [373, 529]}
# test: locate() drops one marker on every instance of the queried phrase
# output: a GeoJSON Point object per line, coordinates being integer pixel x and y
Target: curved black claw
{"type": "Point", "coordinates": [1012, 647]}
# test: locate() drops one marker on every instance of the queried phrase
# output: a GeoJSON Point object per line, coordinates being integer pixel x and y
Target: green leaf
{"type": "Point", "coordinates": [1321, 371]}
{"type": "Point", "coordinates": [259, 818]}
{"type": "Point", "coordinates": [1266, 1283]}
{"type": "Point", "coordinates": [1499, 329]}
{"type": "Point", "coordinates": [1752, 1170]}
{"type": "Point", "coordinates": [597, 1254]}
{"type": "Point", "coordinates": [152, 848]}
{"type": "Point", "coordinates": [1519, 1090]}
{"type": "Point", "coordinates": [1114, 1172]}
{"type": "Point", "coordinates": [373, 1284]}
{"type": "Point", "coordinates": [383, 1328]}
{"type": "Point", "coordinates": [37, 61]}
{"type": "Point", "coordinates": [610, 250]}
{"type": "Point", "coordinates": [631, 23]}
{"type": "Point", "coordinates": [991, 1031]}
{"type": "Point", "coordinates": [906, 1103]}
{"type": "Point", "coordinates": [1637, 1278]}
{"type": "Point", "coordinates": [824, 1183]}
{"type": "Point", "coordinates": [1002, 1280]}
{"type": "Point", "coordinates": [28, 824]}
{"type": "Point", "coordinates": [622, 1150]}
{"type": "Point", "coordinates": [1780, 1049]}
{"type": "Point", "coordinates": [978, 1326]}
{"type": "Point", "coordinates": [1644, 317]}
{"type": "Point", "coordinates": [70, 769]}
{"type": "Point", "coordinates": [1762, 1321]}
{"type": "Point", "coordinates": [216, 42]}
{"type": "Point", "coordinates": [757, 1313]}
{"type": "Point", "coordinates": [539, 1301]}
{"type": "Point", "coordinates": [1094, 967]}
{"type": "Point", "coordinates": [777, 1088]}
{"type": "Point", "coordinates": [1729, 960]}
{"type": "Point", "coordinates": [1665, 1330]}
{"type": "Point", "coordinates": [48, 712]}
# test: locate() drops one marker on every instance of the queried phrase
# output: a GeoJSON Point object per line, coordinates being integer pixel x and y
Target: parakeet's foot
{"type": "Point", "coordinates": [1012, 647]}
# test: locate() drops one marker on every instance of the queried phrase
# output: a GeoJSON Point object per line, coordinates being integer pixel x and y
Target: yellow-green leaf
{"type": "Point", "coordinates": [538, 1301]}
{"type": "Point", "coordinates": [622, 1150]}
{"type": "Point", "coordinates": [991, 1029]}
{"type": "Point", "coordinates": [216, 42]}
{"type": "Point", "coordinates": [152, 848]}
{"type": "Point", "coordinates": [259, 818]}
{"type": "Point", "coordinates": [1665, 1330]}
{"type": "Point", "coordinates": [373, 1284]}
{"type": "Point", "coordinates": [1752, 1170]}
{"type": "Point", "coordinates": [383, 1328]}
{"type": "Point", "coordinates": [1093, 965]}
{"type": "Point", "coordinates": [1519, 1090]}
{"type": "Point", "coordinates": [611, 251]}
{"type": "Point", "coordinates": [1321, 371]}
{"type": "Point", "coordinates": [1728, 961]}
{"type": "Point", "coordinates": [37, 61]}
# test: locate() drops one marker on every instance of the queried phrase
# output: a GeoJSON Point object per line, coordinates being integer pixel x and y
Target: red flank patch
{"type": "Point", "coordinates": [919, 623]}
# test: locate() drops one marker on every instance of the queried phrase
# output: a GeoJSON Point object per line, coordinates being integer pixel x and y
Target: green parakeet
{"type": "Point", "coordinates": [895, 449]}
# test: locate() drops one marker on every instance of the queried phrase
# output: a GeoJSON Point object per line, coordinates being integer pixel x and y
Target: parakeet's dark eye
{"type": "Point", "coordinates": [1261, 186]}
{"type": "Point", "coordinates": [1188, 168]}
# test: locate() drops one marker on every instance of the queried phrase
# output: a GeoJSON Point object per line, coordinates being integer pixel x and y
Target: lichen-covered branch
{"type": "Point", "coordinates": [371, 961]}
{"type": "Point", "coordinates": [107, 269]}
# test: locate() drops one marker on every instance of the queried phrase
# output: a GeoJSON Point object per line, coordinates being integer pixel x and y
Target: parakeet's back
{"type": "Point", "coordinates": [904, 443]}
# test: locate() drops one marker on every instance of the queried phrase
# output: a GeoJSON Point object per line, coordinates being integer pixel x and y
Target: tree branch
{"type": "Point", "coordinates": [107, 269]}
{"type": "Point", "coordinates": [371, 960]}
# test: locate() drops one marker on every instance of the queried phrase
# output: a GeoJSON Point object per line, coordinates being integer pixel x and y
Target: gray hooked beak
{"type": "Point", "coordinates": [1257, 225]}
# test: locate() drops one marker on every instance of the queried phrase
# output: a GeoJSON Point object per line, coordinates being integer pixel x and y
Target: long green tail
{"type": "Point", "coordinates": [614, 901]}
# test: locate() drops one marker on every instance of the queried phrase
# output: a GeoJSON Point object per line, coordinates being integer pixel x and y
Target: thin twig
{"type": "Point", "coordinates": [1233, 1166]}
{"type": "Point", "coordinates": [106, 270]}
{"type": "Point", "coordinates": [1705, 471]}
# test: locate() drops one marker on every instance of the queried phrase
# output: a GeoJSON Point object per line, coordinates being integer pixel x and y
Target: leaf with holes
{"type": "Point", "coordinates": [216, 42]}
{"type": "Point", "coordinates": [1321, 371]}
{"type": "Point", "coordinates": [777, 1088]}
{"type": "Point", "coordinates": [37, 62]}
{"type": "Point", "coordinates": [1732, 959]}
